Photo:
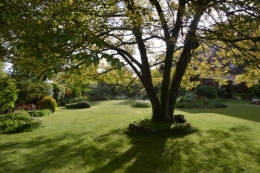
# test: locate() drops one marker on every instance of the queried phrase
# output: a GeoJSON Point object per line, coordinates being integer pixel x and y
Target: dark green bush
{"type": "Point", "coordinates": [180, 100]}
{"type": "Point", "coordinates": [48, 103]}
{"type": "Point", "coordinates": [255, 90]}
{"type": "Point", "coordinates": [184, 105]}
{"type": "Point", "coordinates": [79, 105]}
{"type": "Point", "coordinates": [228, 92]}
{"type": "Point", "coordinates": [245, 96]}
{"type": "Point", "coordinates": [40, 112]}
{"type": "Point", "coordinates": [216, 104]}
{"type": "Point", "coordinates": [58, 91]}
{"type": "Point", "coordinates": [18, 121]}
{"type": "Point", "coordinates": [207, 91]}
{"type": "Point", "coordinates": [65, 101]}
{"type": "Point", "coordinates": [201, 103]}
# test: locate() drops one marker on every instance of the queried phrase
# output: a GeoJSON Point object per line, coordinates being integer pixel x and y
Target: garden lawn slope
{"type": "Point", "coordinates": [95, 141]}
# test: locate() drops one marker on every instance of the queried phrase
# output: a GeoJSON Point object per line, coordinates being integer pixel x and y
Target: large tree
{"type": "Point", "coordinates": [60, 35]}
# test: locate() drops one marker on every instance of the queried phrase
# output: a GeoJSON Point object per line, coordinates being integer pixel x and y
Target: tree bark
{"type": "Point", "coordinates": [191, 43]}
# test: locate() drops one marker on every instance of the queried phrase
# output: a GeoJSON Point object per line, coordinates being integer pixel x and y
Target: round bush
{"type": "Point", "coordinates": [78, 105]}
{"type": "Point", "coordinates": [141, 104]}
{"type": "Point", "coordinates": [207, 91]}
{"type": "Point", "coordinates": [18, 121]}
{"type": "Point", "coordinates": [48, 103]}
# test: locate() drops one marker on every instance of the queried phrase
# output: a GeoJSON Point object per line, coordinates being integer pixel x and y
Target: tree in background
{"type": "Point", "coordinates": [58, 91]}
{"type": "Point", "coordinates": [8, 93]}
{"type": "Point", "coordinates": [64, 35]}
{"type": "Point", "coordinates": [32, 92]}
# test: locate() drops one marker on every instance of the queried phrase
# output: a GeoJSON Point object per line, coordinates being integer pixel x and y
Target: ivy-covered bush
{"type": "Point", "coordinates": [40, 112]}
{"type": "Point", "coordinates": [48, 103]}
{"type": "Point", "coordinates": [207, 91]}
{"type": "Point", "coordinates": [78, 105]}
{"type": "Point", "coordinates": [18, 121]}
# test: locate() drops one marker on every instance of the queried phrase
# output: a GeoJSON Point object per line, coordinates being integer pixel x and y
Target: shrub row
{"type": "Point", "coordinates": [18, 121]}
{"type": "Point", "coordinates": [39, 112]}
{"type": "Point", "coordinates": [189, 101]}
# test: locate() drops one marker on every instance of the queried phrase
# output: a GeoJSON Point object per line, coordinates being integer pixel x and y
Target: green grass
{"type": "Point", "coordinates": [95, 141]}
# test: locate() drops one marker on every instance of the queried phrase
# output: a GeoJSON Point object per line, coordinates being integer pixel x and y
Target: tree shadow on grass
{"type": "Point", "coordinates": [76, 152]}
{"type": "Point", "coordinates": [121, 151]}
{"type": "Point", "coordinates": [49, 154]}
{"type": "Point", "coordinates": [146, 154]}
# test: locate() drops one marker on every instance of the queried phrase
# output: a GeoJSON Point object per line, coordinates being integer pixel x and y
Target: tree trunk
{"type": "Point", "coordinates": [191, 43]}
{"type": "Point", "coordinates": [165, 90]}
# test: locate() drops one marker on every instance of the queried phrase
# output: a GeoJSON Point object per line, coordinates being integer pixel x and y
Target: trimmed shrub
{"type": "Point", "coordinates": [255, 90]}
{"type": "Point", "coordinates": [48, 103]}
{"type": "Point", "coordinates": [207, 91]}
{"type": "Point", "coordinates": [245, 96]}
{"type": "Point", "coordinates": [201, 103]}
{"type": "Point", "coordinates": [184, 105]}
{"type": "Point", "coordinates": [65, 101]}
{"type": "Point", "coordinates": [79, 105]}
{"type": "Point", "coordinates": [18, 121]}
{"type": "Point", "coordinates": [40, 112]}
{"type": "Point", "coordinates": [216, 104]}
{"type": "Point", "coordinates": [141, 104]}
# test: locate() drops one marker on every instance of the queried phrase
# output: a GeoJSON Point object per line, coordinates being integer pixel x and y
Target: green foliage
{"type": "Point", "coordinates": [2, 72]}
{"type": "Point", "coordinates": [245, 96]}
{"type": "Point", "coordinates": [162, 128]}
{"type": "Point", "coordinates": [79, 105]}
{"type": "Point", "coordinates": [37, 33]}
{"type": "Point", "coordinates": [8, 93]}
{"type": "Point", "coordinates": [184, 105]}
{"type": "Point", "coordinates": [255, 90]}
{"type": "Point", "coordinates": [99, 142]}
{"type": "Point", "coordinates": [207, 91]}
{"type": "Point", "coordinates": [40, 112]}
{"type": "Point", "coordinates": [32, 92]}
{"type": "Point", "coordinates": [69, 100]}
{"type": "Point", "coordinates": [58, 91]}
{"type": "Point", "coordinates": [202, 102]}
{"type": "Point", "coordinates": [141, 104]}
{"type": "Point", "coordinates": [18, 121]}
{"type": "Point", "coordinates": [48, 103]}
{"type": "Point", "coordinates": [186, 100]}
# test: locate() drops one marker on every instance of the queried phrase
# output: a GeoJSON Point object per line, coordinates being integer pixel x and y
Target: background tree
{"type": "Point", "coordinates": [2, 70]}
{"type": "Point", "coordinates": [8, 93]}
{"type": "Point", "coordinates": [62, 35]}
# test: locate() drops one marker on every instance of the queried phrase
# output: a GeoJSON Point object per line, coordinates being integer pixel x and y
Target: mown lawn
{"type": "Point", "coordinates": [95, 141]}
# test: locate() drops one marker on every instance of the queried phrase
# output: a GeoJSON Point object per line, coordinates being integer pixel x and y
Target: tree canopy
{"type": "Point", "coordinates": [59, 35]}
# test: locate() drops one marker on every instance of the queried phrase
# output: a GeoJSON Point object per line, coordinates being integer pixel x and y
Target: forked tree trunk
{"type": "Point", "coordinates": [169, 92]}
